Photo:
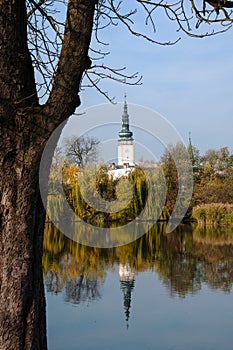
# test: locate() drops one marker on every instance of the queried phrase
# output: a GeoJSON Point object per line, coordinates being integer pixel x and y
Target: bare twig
{"type": "Point", "coordinates": [194, 18]}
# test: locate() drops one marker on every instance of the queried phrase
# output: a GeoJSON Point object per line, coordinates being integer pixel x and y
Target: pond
{"type": "Point", "coordinates": [163, 291]}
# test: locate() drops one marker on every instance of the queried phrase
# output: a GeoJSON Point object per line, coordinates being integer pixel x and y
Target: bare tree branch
{"type": "Point", "coordinates": [192, 18]}
{"type": "Point", "coordinates": [81, 150]}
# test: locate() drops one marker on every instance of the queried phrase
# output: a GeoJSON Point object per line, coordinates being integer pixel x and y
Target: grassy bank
{"type": "Point", "coordinates": [213, 214]}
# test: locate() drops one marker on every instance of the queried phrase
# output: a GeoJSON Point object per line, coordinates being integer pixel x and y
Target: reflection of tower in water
{"type": "Point", "coordinates": [127, 285]}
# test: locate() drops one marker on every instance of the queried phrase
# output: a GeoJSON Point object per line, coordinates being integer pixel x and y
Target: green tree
{"type": "Point", "coordinates": [179, 183]}
{"type": "Point", "coordinates": [171, 176]}
{"type": "Point", "coordinates": [35, 36]}
{"type": "Point", "coordinates": [195, 157]}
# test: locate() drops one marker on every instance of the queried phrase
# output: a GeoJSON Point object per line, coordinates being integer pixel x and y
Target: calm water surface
{"type": "Point", "coordinates": [161, 292]}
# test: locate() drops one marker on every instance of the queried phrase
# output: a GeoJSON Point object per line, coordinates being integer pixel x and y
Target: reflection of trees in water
{"type": "Point", "coordinates": [176, 265]}
{"type": "Point", "coordinates": [82, 289]}
{"type": "Point", "coordinates": [183, 260]}
{"type": "Point", "coordinates": [190, 257]}
{"type": "Point", "coordinates": [77, 290]}
{"type": "Point", "coordinates": [181, 277]}
{"type": "Point", "coordinates": [219, 274]}
{"type": "Point", "coordinates": [214, 247]}
{"type": "Point", "coordinates": [71, 268]}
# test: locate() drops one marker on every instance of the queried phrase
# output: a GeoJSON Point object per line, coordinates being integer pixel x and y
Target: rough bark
{"type": "Point", "coordinates": [25, 126]}
{"type": "Point", "coordinates": [22, 304]}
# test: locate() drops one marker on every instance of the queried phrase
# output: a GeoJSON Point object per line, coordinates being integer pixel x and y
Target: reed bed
{"type": "Point", "coordinates": [213, 214]}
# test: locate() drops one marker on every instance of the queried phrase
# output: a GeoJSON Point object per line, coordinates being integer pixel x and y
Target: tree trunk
{"type": "Point", "coordinates": [22, 303]}
{"type": "Point", "coordinates": [25, 126]}
{"type": "Point", "coordinates": [22, 314]}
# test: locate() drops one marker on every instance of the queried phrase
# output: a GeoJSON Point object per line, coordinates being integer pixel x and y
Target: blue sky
{"type": "Point", "coordinates": [189, 83]}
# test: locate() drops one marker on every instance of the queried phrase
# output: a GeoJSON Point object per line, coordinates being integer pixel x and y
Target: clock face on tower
{"type": "Point", "coordinates": [127, 156]}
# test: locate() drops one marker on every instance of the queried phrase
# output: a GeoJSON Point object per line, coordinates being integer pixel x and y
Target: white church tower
{"type": "Point", "coordinates": [125, 141]}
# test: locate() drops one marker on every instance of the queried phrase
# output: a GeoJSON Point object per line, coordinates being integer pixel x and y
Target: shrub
{"type": "Point", "coordinates": [214, 213]}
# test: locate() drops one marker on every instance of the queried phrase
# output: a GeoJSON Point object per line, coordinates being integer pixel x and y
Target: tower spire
{"type": "Point", "coordinates": [125, 133]}
{"type": "Point", "coordinates": [125, 141]}
{"type": "Point", "coordinates": [190, 150]}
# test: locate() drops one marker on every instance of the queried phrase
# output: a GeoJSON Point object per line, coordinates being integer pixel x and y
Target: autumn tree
{"type": "Point", "coordinates": [174, 158]}
{"type": "Point", "coordinates": [215, 176]}
{"type": "Point", "coordinates": [36, 36]}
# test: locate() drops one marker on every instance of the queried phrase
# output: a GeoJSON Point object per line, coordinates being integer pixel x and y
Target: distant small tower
{"type": "Point", "coordinates": [125, 141]}
{"type": "Point", "coordinates": [190, 150]}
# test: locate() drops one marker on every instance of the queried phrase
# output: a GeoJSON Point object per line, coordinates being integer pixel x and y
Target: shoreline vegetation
{"type": "Point", "coordinates": [213, 214]}
{"type": "Point", "coordinates": [202, 214]}
{"type": "Point", "coordinates": [102, 200]}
